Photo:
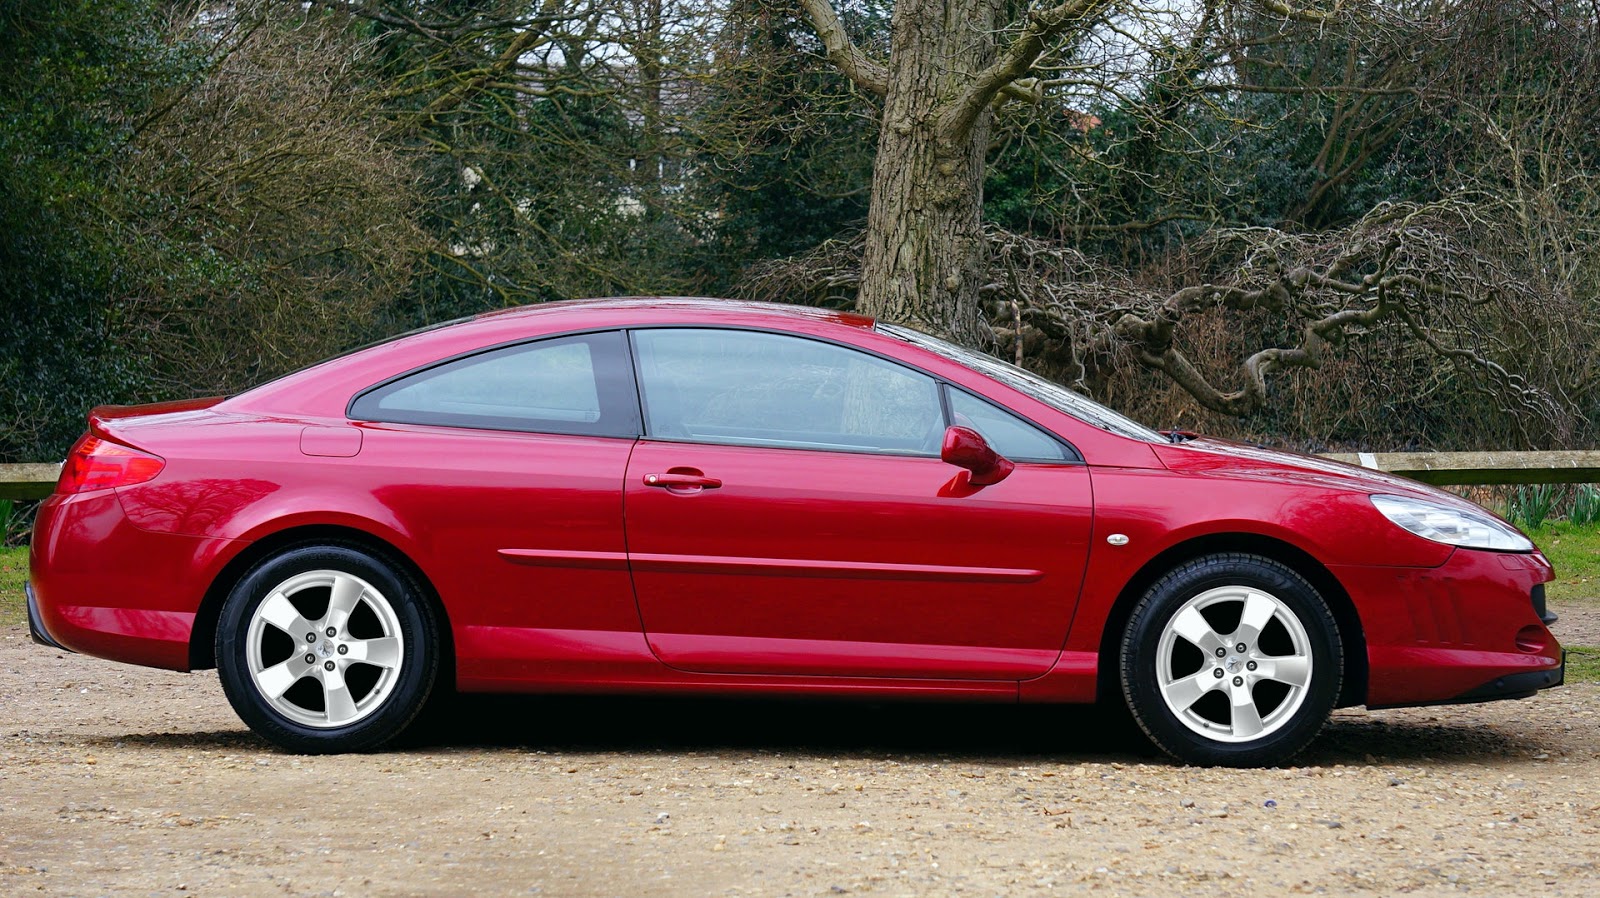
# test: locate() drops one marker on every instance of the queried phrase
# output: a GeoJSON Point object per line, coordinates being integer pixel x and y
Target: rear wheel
{"type": "Point", "coordinates": [327, 649]}
{"type": "Point", "coordinates": [1232, 660]}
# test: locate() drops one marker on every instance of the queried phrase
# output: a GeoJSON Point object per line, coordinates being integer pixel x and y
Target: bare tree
{"type": "Point", "coordinates": [1456, 280]}
{"type": "Point", "coordinates": [289, 217]}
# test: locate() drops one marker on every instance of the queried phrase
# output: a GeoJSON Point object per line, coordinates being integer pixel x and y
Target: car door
{"type": "Point", "coordinates": [506, 466]}
{"type": "Point", "coordinates": [787, 513]}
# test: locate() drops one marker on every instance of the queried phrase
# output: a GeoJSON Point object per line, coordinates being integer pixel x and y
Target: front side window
{"type": "Point", "coordinates": [761, 389]}
{"type": "Point", "coordinates": [575, 385]}
{"type": "Point", "coordinates": [1006, 433]}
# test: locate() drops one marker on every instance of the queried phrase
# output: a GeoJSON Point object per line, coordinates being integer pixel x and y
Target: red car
{"type": "Point", "coordinates": [699, 496]}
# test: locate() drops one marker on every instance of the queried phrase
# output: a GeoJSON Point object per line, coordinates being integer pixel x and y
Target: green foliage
{"type": "Point", "coordinates": [13, 602]}
{"type": "Point", "coordinates": [16, 522]}
{"type": "Point", "coordinates": [63, 68]}
{"type": "Point", "coordinates": [1531, 505]}
{"type": "Point", "coordinates": [1583, 664]}
{"type": "Point", "coordinates": [1575, 552]}
{"type": "Point", "coordinates": [1585, 507]}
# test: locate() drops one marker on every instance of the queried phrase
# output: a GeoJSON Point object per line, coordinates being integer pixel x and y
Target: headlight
{"type": "Point", "coordinates": [1445, 524]}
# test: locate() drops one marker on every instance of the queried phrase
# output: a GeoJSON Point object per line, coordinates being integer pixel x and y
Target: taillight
{"type": "Point", "coordinates": [97, 464]}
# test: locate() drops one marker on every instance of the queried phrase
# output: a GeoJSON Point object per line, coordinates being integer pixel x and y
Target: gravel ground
{"type": "Point", "coordinates": [120, 780]}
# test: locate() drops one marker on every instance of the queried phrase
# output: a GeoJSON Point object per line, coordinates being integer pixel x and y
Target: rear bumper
{"type": "Point", "coordinates": [36, 628]}
{"type": "Point", "coordinates": [101, 586]}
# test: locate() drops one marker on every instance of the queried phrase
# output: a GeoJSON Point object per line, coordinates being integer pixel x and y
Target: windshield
{"type": "Point", "coordinates": [1047, 392]}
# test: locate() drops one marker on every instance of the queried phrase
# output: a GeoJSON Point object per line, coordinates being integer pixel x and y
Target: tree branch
{"type": "Point", "coordinates": [1015, 62]}
{"type": "Point", "coordinates": [866, 72]}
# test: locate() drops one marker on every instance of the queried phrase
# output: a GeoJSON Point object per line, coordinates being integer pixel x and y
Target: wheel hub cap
{"type": "Point", "coordinates": [324, 649]}
{"type": "Point", "coordinates": [1234, 664]}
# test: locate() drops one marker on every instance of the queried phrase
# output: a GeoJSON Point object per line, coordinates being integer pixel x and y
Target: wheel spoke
{"type": "Point", "coordinates": [1294, 670]}
{"type": "Point", "coordinates": [1180, 694]}
{"type": "Point", "coordinates": [382, 652]}
{"type": "Point", "coordinates": [1246, 718]}
{"type": "Point", "coordinates": [1258, 611]}
{"type": "Point", "coordinates": [278, 611]}
{"type": "Point", "coordinates": [341, 706]}
{"type": "Point", "coordinates": [276, 680]}
{"type": "Point", "coordinates": [1193, 626]}
{"type": "Point", "coordinates": [347, 592]}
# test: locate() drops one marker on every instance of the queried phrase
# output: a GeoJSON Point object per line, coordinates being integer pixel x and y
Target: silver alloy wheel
{"type": "Point", "coordinates": [324, 649]}
{"type": "Point", "coordinates": [1234, 664]}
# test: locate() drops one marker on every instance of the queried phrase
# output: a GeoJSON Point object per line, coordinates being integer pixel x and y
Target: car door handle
{"type": "Point", "coordinates": [682, 480]}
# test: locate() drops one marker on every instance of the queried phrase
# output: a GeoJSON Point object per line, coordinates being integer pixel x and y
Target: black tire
{"type": "Point", "coordinates": [1288, 676]}
{"type": "Point", "coordinates": [374, 674]}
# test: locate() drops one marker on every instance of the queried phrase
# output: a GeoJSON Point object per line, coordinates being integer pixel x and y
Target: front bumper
{"type": "Point", "coordinates": [36, 624]}
{"type": "Point", "coordinates": [1518, 685]}
{"type": "Point", "coordinates": [1469, 630]}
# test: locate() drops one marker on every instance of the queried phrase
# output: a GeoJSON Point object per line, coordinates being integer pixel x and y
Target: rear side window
{"type": "Point", "coordinates": [580, 384]}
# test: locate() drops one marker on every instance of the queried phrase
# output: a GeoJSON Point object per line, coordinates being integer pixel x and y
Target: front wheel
{"type": "Point", "coordinates": [1232, 660]}
{"type": "Point", "coordinates": [326, 649]}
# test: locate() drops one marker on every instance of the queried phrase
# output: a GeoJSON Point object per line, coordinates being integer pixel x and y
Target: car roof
{"type": "Point", "coordinates": [685, 304]}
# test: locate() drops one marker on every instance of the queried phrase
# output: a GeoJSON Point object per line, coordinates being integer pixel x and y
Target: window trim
{"type": "Point", "coordinates": [609, 395]}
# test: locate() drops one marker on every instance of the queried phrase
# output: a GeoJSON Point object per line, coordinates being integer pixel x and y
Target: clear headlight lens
{"type": "Point", "coordinates": [1444, 524]}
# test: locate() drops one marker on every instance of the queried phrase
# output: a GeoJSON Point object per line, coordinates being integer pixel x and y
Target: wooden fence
{"type": "Point", "coordinates": [35, 481]}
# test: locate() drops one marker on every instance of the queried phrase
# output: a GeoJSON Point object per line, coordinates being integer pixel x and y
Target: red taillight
{"type": "Point", "coordinates": [97, 464]}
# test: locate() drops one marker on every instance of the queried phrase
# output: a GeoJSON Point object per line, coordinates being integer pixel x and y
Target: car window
{"type": "Point", "coordinates": [1006, 433]}
{"type": "Point", "coordinates": [1050, 393]}
{"type": "Point", "coordinates": [578, 385]}
{"type": "Point", "coordinates": [761, 389]}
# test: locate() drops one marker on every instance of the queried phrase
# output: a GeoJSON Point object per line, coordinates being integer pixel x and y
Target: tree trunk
{"type": "Point", "coordinates": [925, 255]}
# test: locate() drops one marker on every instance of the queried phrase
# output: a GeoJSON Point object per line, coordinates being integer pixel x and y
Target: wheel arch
{"type": "Point", "coordinates": [202, 639]}
{"type": "Point", "coordinates": [1351, 634]}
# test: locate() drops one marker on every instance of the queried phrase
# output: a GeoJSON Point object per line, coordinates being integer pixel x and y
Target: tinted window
{"type": "Point", "coordinates": [578, 385]}
{"type": "Point", "coordinates": [1008, 434]}
{"type": "Point", "coordinates": [760, 389]}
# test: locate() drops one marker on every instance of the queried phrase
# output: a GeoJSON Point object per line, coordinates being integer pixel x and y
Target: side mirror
{"type": "Point", "coordinates": [966, 448]}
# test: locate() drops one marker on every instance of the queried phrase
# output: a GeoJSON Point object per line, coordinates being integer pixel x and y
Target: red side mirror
{"type": "Point", "coordinates": [966, 448]}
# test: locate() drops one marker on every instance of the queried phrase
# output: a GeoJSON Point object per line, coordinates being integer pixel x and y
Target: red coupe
{"type": "Point", "coordinates": [699, 496]}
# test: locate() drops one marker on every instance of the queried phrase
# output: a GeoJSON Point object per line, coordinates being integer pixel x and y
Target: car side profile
{"type": "Point", "coordinates": [658, 495]}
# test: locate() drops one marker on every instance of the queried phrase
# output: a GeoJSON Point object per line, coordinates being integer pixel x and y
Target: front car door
{"type": "Point", "coordinates": [787, 513]}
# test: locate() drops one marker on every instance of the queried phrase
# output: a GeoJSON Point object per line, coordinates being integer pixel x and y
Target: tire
{"type": "Point", "coordinates": [1254, 707]}
{"type": "Point", "coordinates": [364, 683]}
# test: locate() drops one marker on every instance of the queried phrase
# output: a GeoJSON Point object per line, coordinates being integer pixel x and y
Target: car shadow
{"type": "Point", "coordinates": [918, 730]}
{"type": "Point", "coordinates": [975, 733]}
{"type": "Point", "coordinates": [980, 734]}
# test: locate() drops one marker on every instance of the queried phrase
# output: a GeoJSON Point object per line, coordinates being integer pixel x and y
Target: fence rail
{"type": "Point", "coordinates": [32, 481]}
{"type": "Point", "coordinates": [1482, 468]}
{"type": "Point", "coordinates": [35, 481]}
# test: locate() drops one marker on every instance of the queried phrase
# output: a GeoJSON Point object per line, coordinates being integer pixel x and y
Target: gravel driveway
{"type": "Point", "coordinates": [119, 780]}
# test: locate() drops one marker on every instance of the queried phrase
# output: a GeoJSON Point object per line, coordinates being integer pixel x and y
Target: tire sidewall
{"type": "Point", "coordinates": [415, 679]}
{"type": "Point", "coordinates": [1140, 653]}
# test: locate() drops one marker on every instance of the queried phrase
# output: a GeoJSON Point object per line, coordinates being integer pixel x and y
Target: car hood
{"type": "Point", "coordinates": [1223, 458]}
